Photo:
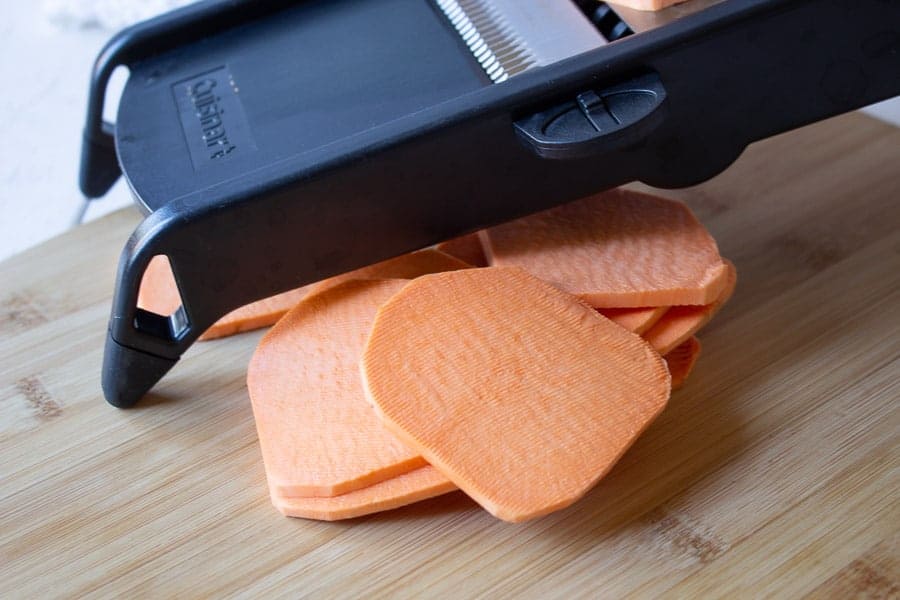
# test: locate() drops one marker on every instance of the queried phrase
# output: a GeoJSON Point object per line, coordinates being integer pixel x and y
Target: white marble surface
{"type": "Point", "coordinates": [44, 70]}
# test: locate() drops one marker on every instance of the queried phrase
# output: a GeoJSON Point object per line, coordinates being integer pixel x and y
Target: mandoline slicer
{"type": "Point", "coordinates": [273, 143]}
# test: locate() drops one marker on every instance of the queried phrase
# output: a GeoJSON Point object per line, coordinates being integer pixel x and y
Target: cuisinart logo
{"type": "Point", "coordinates": [212, 117]}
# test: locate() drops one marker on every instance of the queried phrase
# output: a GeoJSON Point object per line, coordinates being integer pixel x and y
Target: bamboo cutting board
{"type": "Point", "coordinates": [775, 471]}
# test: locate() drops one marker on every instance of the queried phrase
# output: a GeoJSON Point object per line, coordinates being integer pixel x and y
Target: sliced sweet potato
{"type": "Point", "coordinates": [256, 315]}
{"type": "Point", "coordinates": [406, 266]}
{"type": "Point", "coordinates": [619, 249]}
{"type": "Point", "coordinates": [159, 294]}
{"type": "Point", "coordinates": [646, 4]}
{"type": "Point", "coordinates": [318, 434]}
{"type": "Point", "coordinates": [520, 394]}
{"type": "Point", "coordinates": [681, 322]}
{"type": "Point", "coordinates": [636, 320]}
{"type": "Point", "coordinates": [681, 361]}
{"type": "Point", "coordinates": [413, 486]}
{"type": "Point", "coordinates": [466, 248]}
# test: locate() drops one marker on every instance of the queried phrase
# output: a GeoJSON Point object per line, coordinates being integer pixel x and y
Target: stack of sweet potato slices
{"type": "Point", "coordinates": [517, 364]}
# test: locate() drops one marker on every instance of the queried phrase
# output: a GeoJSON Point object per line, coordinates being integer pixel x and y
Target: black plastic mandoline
{"type": "Point", "coordinates": [275, 143]}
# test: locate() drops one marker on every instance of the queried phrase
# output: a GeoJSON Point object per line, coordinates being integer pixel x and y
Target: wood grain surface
{"type": "Point", "coordinates": [774, 471]}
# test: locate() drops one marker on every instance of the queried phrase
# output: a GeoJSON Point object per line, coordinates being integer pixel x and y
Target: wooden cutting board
{"type": "Point", "coordinates": [776, 470]}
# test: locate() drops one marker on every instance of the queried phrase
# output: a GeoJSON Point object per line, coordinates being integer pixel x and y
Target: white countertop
{"type": "Point", "coordinates": [45, 72]}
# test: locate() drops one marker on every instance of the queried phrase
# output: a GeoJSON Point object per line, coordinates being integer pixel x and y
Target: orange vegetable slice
{"type": "Point", "coordinates": [646, 4]}
{"type": "Point", "coordinates": [681, 361]}
{"type": "Point", "coordinates": [256, 315]}
{"type": "Point", "coordinates": [619, 249]}
{"type": "Point", "coordinates": [520, 394]}
{"type": "Point", "coordinates": [159, 294]}
{"type": "Point", "coordinates": [419, 484]}
{"type": "Point", "coordinates": [405, 266]}
{"type": "Point", "coordinates": [636, 320]}
{"type": "Point", "coordinates": [681, 322]}
{"type": "Point", "coordinates": [318, 434]}
{"type": "Point", "coordinates": [467, 248]}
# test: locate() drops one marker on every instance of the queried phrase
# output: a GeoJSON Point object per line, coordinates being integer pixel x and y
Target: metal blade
{"type": "Point", "coordinates": [511, 36]}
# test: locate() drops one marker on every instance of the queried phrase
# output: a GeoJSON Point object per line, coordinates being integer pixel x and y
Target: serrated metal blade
{"type": "Point", "coordinates": [508, 37]}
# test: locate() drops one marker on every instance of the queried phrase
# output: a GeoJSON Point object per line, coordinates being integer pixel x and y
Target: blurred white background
{"type": "Point", "coordinates": [46, 51]}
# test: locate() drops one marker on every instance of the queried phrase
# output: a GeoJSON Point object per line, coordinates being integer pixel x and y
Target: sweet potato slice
{"type": "Point", "coordinates": [646, 4]}
{"type": "Point", "coordinates": [405, 266]}
{"type": "Point", "coordinates": [619, 249]}
{"type": "Point", "coordinates": [466, 248]}
{"type": "Point", "coordinates": [681, 361]}
{"type": "Point", "coordinates": [159, 294]}
{"type": "Point", "coordinates": [418, 484]}
{"type": "Point", "coordinates": [256, 315]}
{"type": "Point", "coordinates": [636, 320]}
{"type": "Point", "coordinates": [318, 434]}
{"type": "Point", "coordinates": [520, 394]}
{"type": "Point", "coordinates": [681, 322]}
